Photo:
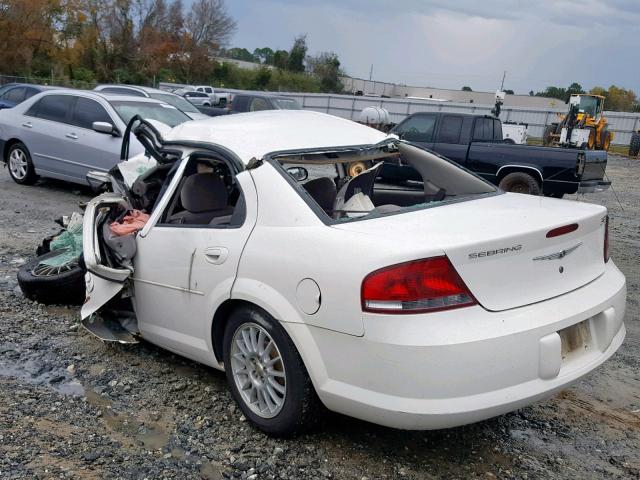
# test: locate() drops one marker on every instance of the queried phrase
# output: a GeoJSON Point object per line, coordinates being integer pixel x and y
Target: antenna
{"type": "Point", "coordinates": [504, 74]}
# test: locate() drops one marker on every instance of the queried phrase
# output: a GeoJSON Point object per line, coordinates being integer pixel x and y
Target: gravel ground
{"type": "Point", "coordinates": [72, 407]}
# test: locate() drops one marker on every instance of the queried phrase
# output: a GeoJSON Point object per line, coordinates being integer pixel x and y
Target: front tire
{"type": "Point", "coordinates": [20, 165]}
{"type": "Point", "coordinates": [520, 182]}
{"type": "Point", "coordinates": [266, 375]}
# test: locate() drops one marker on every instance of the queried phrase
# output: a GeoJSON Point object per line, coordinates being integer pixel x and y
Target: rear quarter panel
{"type": "Point", "coordinates": [290, 243]}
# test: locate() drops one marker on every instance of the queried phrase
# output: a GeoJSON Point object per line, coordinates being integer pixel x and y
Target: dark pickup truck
{"type": "Point", "coordinates": [475, 142]}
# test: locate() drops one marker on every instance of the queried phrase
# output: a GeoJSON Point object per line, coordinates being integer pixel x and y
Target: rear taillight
{"type": "Point", "coordinates": [427, 285]}
{"type": "Point", "coordinates": [606, 239]}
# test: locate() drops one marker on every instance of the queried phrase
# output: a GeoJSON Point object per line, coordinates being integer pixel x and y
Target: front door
{"type": "Point", "coordinates": [188, 258]}
{"type": "Point", "coordinates": [87, 149]}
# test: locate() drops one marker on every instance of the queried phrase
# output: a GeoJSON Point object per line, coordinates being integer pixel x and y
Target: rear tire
{"type": "Point", "coordinates": [222, 103]}
{"type": "Point", "coordinates": [294, 403]}
{"type": "Point", "coordinates": [520, 182]}
{"type": "Point", "coordinates": [65, 288]}
{"type": "Point", "coordinates": [634, 145]}
{"type": "Point", "coordinates": [20, 165]}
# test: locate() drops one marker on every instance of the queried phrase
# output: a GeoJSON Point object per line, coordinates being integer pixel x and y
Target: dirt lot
{"type": "Point", "coordinates": [72, 407]}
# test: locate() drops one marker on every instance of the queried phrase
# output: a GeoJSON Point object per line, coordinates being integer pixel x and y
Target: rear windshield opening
{"type": "Point", "coordinates": [351, 185]}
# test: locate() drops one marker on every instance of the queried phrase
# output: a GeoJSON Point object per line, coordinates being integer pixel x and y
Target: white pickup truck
{"type": "Point", "coordinates": [220, 99]}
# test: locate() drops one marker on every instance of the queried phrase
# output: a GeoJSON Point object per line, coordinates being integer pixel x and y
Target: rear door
{"type": "Point", "coordinates": [88, 149]}
{"type": "Point", "coordinates": [43, 132]}
{"type": "Point", "coordinates": [483, 133]}
{"type": "Point", "coordinates": [448, 139]}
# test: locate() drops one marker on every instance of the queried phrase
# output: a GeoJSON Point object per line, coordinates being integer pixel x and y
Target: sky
{"type": "Point", "coordinates": [452, 43]}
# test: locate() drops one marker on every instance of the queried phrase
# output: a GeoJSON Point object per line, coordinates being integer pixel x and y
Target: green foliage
{"type": "Point", "coordinates": [297, 54]}
{"type": "Point", "coordinates": [84, 75]}
{"type": "Point", "coordinates": [240, 54]}
{"type": "Point", "coordinates": [326, 67]}
{"type": "Point", "coordinates": [466, 89]}
{"type": "Point", "coordinates": [617, 98]}
{"type": "Point", "coordinates": [281, 59]}
{"type": "Point", "coordinates": [508, 91]}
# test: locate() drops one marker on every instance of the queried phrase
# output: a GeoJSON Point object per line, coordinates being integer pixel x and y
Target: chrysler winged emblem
{"type": "Point", "coordinates": [558, 255]}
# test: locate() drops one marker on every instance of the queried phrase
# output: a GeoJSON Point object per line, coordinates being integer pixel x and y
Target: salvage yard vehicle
{"type": "Point", "coordinates": [476, 142]}
{"type": "Point", "coordinates": [64, 134]}
{"type": "Point", "coordinates": [423, 307]}
{"type": "Point", "coordinates": [242, 102]}
{"type": "Point", "coordinates": [584, 126]}
{"type": "Point", "coordinates": [167, 97]}
{"type": "Point", "coordinates": [18, 93]}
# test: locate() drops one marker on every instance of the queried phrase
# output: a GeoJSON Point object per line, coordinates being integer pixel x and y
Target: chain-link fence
{"type": "Point", "coordinates": [54, 81]}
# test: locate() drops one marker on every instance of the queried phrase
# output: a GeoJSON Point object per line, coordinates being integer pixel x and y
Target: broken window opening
{"type": "Point", "coordinates": [355, 184]}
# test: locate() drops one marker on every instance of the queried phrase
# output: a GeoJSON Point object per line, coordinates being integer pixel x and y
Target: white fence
{"type": "Point", "coordinates": [348, 106]}
{"type": "Point", "coordinates": [621, 123]}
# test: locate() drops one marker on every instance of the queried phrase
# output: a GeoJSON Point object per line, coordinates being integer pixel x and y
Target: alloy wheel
{"type": "Point", "coordinates": [258, 370]}
{"type": "Point", "coordinates": [18, 164]}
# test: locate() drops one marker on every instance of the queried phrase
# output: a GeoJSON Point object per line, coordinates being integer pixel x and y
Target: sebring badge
{"type": "Point", "coordinates": [558, 255]}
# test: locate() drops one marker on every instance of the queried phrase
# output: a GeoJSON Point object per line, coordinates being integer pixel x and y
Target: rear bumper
{"type": "Point", "coordinates": [590, 186]}
{"type": "Point", "coordinates": [461, 366]}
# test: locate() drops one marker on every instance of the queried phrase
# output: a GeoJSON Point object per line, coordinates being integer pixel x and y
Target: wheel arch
{"type": "Point", "coordinates": [7, 145]}
{"type": "Point", "coordinates": [294, 326]}
{"type": "Point", "coordinates": [507, 169]}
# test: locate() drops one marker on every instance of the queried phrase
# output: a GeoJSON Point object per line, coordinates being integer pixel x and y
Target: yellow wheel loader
{"type": "Point", "coordinates": [584, 126]}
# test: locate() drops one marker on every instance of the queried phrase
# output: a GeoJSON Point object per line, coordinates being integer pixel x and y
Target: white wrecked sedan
{"type": "Point", "coordinates": [416, 305]}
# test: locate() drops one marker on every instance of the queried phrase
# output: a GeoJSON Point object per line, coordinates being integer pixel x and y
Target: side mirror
{"type": "Point", "coordinates": [298, 173]}
{"type": "Point", "coordinates": [98, 180]}
{"type": "Point", "coordinates": [104, 127]}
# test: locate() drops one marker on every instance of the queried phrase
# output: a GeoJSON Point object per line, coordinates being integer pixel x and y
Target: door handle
{"type": "Point", "coordinates": [27, 124]}
{"type": "Point", "coordinates": [73, 136]}
{"type": "Point", "coordinates": [216, 255]}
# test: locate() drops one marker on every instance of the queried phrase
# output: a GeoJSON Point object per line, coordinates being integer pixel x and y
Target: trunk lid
{"type": "Point", "coordinates": [499, 245]}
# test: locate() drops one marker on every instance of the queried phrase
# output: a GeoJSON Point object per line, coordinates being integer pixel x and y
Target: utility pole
{"type": "Point", "coordinates": [371, 72]}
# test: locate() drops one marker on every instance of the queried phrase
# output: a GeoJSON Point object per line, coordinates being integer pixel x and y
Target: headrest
{"type": "Point", "coordinates": [203, 192]}
{"type": "Point", "coordinates": [323, 191]}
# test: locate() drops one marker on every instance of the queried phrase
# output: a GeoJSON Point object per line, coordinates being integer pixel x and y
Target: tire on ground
{"type": "Point", "coordinates": [66, 288]}
{"type": "Point", "coordinates": [520, 182]}
{"type": "Point", "coordinates": [634, 145]}
{"type": "Point", "coordinates": [302, 407]}
{"type": "Point", "coordinates": [22, 152]}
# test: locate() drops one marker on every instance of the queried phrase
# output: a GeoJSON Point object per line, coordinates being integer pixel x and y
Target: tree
{"type": "Point", "coordinates": [508, 91]}
{"type": "Point", "coordinates": [575, 89]}
{"type": "Point", "coordinates": [281, 59]}
{"type": "Point", "coordinates": [263, 55]}
{"type": "Point", "coordinates": [326, 67]}
{"type": "Point", "coordinates": [297, 54]}
{"type": "Point", "coordinates": [466, 89]}
{"type": "Point", "coordinates": [240, 54]}
{"type": "Point", "coordinates": [617, 98]}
